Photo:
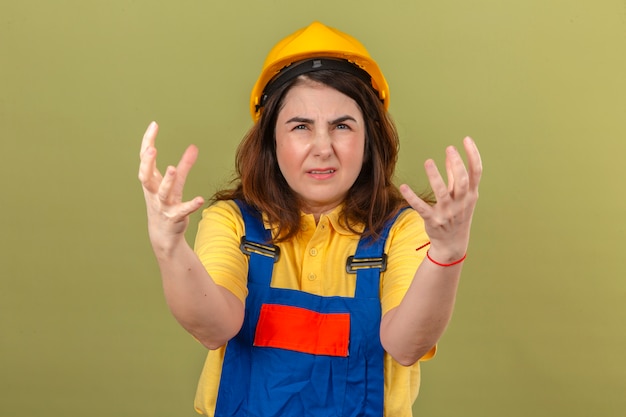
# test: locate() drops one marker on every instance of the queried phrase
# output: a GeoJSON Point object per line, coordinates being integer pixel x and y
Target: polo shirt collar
{"type": "Point", "coordinates": [334, 220]}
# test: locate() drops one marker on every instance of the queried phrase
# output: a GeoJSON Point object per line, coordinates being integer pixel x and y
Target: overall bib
{"type": "Point", "coordinates": [299, 354]}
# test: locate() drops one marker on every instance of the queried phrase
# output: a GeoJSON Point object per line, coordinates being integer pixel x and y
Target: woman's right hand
{"type": "Point", "coordinates": [168, 214]}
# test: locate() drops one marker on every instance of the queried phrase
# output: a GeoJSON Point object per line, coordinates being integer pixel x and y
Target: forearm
{"type": "Point", "coordinates": [211, 313]}
{"type": "Point", "coordinates": [411, 329]}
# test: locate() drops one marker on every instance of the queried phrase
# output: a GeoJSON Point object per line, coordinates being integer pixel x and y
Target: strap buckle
{"type": "Point", "coordinates": [248, 248]}
{"type": "Point", "coordinates": [354, 264]}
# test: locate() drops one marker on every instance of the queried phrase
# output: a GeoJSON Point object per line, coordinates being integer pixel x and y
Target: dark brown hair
{"type": "Point", "coordinates": [372, 199]}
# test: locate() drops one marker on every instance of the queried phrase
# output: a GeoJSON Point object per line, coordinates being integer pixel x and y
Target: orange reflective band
{"type": "Point", "coordinates": [302, 330]}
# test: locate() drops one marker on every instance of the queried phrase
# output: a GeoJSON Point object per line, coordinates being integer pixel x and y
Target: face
{"type": "Point", "coordinates": [320, 144]}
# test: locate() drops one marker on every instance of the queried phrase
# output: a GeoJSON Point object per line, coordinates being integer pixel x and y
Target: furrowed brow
{"type": "Point", "coordinates": [299, 120]}
{"type": "Point", "coordinates": [342, 119]}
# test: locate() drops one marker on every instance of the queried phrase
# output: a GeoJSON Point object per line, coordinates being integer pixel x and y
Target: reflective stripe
{"type": "Point", "coordinates": [302, 330]}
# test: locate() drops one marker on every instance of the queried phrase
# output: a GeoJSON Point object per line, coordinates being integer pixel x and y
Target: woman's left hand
{"type": "Point", "coordinates": [448, 222]}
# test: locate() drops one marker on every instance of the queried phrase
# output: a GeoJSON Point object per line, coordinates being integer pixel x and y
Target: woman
{"type": "Point", "coordinates": [307, 282]}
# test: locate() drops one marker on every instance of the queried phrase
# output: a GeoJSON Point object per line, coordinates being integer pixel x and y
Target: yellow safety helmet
{"type": "Point", "coordinates": [313, 44]}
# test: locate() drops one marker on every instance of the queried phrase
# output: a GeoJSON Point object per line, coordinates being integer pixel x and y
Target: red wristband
{"type": "Point", "coordinates": [444, 265]}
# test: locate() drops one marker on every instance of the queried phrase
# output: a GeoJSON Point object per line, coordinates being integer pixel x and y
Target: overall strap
{"type": "Point", "coordinates": [369, 261]}
{"type": "Point", "coordinates": [255, 243]}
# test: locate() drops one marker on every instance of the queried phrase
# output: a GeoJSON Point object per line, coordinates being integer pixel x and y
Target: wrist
{"type": "Point", "coordinates": [447, 263]}
{"type": "Point", "coordinates": [443, 257]}
{"type": "Point", "coordinates": [167, 248]}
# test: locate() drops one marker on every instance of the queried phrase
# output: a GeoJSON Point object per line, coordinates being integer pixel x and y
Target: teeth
{"type": "Point", "coordinates": [328, 171]}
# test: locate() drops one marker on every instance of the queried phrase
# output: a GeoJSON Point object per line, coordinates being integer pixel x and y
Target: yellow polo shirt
{"type": "Point", "coordinates": [313, 262]}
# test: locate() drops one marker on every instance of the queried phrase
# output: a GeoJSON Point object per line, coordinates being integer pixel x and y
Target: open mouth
{"type": "Point", "coordinates": [326, 171]}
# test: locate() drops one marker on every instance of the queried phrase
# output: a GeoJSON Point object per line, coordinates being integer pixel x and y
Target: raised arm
{"type": "Point", "coordinates": [410, 330]}
{"type": "Point", "coordinates": [208, 311]}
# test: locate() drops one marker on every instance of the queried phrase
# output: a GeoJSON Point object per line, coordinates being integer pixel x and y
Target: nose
{"type": "Point", "coordinates": [322, 144]}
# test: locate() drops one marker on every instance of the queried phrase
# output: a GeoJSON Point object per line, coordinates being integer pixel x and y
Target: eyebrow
{"type": "Point", "coordinates": [338, 120]}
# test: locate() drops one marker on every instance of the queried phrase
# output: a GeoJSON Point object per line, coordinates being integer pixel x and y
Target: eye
{"type": "Point", "coordinates": [342, 126]}
{"type": "Point", "coordinates": [300, 127]}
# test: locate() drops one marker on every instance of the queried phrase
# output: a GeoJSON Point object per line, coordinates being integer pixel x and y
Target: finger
{"type": "Point", "coordinates": [191, 206]}
{"type": "Point", "coordinates": [149, 176]}
{"type": "Point", "coordinates": [474, 162]}
{"type": "Point", "coordinates": [181, 211]}
{"type": "Point", "coordinates": [450, 174]}
{"type": "Point", "coordinates": [417, 203]}
{"type": "Point", "coordinates": [149, 137]}
{"type": "Point", "coordinates": [147, 156]}
{"type": "Point", "coordinates": [460, 180]}
{"type": "Point", "coordinates": [439, 187]}
{"type": "Point", "coordinates": [165, 188]}
{"type": "Point", "coordinates": [182, 170]}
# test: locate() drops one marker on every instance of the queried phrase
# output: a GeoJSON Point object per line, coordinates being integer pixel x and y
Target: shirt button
{"type": "Point", "coordinates": [313, 252]}
{"type": "Point", "coordinates": [312, 277]}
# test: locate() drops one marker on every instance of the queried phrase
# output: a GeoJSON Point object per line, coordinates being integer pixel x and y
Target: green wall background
{"type": "Point", "coordinates": [540, 84]}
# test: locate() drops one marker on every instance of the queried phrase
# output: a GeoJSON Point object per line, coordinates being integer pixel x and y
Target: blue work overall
{"type": "Point", "coordinates": [270, 375]}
